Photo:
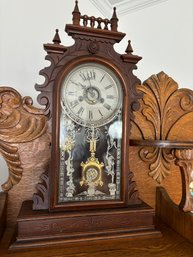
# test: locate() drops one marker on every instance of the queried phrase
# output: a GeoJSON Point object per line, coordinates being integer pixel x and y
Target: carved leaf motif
{"type": "Point", "coordinates": [20, 122]}
{"type": "Point", "coordinates": [11, 157]}
{"type": "Point", "coordinates": [164, 108]}
{"type": "Point", "coordinates": [160, 162]}
{"type": "Point", "coordinates": [156, 102]}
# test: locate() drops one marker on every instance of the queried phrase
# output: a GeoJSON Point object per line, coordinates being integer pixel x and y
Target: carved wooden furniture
{"type": "Point", "coordinates": [157, 127]}
{"type": "Point", "coordinates": [162, 140]}
{"type": "Point", "coordinates": [182, 153]}
{"type": "Point", "coordinates": [155, 148]}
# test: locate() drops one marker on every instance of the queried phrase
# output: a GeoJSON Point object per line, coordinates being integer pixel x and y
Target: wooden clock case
{"type": "Point", "coordinates": [46, 222]}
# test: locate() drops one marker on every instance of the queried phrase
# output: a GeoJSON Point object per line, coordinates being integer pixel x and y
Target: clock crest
{"type": "Point", "coordinates": [89, 96]}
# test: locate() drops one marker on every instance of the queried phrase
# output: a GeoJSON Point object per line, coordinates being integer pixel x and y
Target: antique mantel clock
{"type": "Point", "coordinates": [90, 94]}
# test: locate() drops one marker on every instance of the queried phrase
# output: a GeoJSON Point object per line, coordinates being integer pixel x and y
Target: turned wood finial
{"type": "Point", "coordinates": [129, 49]}
{"type": "Point", "coordinates": [56, 39]}
{"type": "Point", "coordinates": [114, 20]}
{"type": "Point", "coordinates": [76, 14]}
{"type": "Point", "coordinates": [128, 56]}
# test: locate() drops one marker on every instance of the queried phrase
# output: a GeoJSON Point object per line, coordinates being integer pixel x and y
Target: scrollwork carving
{"type": "Point", "coordinates": [164, 110]}
{"type": "Point", "coordinates": [20, 122]}
{"type": "Point", "coordinates": [40, 200]}
{"type": "Point", "coordinates": [11, 157]}
{"type": "Point", "coordinates": [160, 162]}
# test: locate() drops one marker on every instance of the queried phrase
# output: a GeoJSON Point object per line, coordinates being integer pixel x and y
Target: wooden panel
{"type": "Point", "coordinates": [3, 212]}
{"type": "Point", "coordinates": [170, 213]}
{"type": "Point", "coordinates": [147, 186]}
{"type": "Point", "coordinates": [169, 245]}
{"type": "Point", "coordinates": [39, 229]}
{"type": "Point", "coordinates": [34, 157]}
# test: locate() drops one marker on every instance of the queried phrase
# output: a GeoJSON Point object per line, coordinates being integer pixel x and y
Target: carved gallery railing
{"type": "Point", "coordinates": [94, 22]}
{"type": "Point", "coordinates": [182, 153]}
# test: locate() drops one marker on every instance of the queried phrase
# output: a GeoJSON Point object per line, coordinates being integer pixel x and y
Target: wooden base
{"type": "Point", "coordinates": [169, 212]}
{"type": "Point", "coordinates": [3, 211]}
{"type": "Point", "coordinates": [41, 228]}
{"type": "Point", "coordinates": [171, 244]}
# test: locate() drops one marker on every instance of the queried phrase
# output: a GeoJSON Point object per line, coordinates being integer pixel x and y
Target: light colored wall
{"type": "Point", "coordinates": [162, 34]}
{"type": "Point", "coordinates": [24, 27]}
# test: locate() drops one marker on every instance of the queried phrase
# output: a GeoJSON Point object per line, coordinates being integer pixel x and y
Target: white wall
{"type": "Point", "coordinates": [24, 27]}
{"type": "Point", "coordinates": [162, 34]}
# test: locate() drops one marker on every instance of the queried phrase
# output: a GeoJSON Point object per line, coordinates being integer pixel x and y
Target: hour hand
{"type": "Point", "coordinates": [79, 84]}
{"type": "Point", "coordinates": [83, 86]}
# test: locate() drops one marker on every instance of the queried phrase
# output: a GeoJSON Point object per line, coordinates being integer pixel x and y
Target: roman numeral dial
{"type": "Point", "coordinates": [91, 95]}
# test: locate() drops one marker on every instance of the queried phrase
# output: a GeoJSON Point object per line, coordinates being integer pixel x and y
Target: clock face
{"type": "Point", "coordinates": [91, 95]}
{"type": "Point", "coordinates": [90, 135]}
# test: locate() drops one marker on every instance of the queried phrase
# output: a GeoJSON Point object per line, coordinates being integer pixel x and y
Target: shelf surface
{"type": "Point", "coordinates": [163, 143]}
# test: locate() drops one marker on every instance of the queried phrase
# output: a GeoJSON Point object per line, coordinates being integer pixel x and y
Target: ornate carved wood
{"type": "Point", "coordinates": [94, 41]}
{"type": "Point", "coordinates": [164, 110]}
{"type": "Point", "coordinates": [40, 199]}
{"type": "Point", "coordinates": [20, 122]}
{"type": "Point", "coordinates": [34, 156]}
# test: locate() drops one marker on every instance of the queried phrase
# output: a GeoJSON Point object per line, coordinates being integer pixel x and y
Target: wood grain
{"type": "Point", "coordinates": [164, 110]}
{"type": "Point", "coordinates": [42, 228]}
{"type": "Point", "coordinates": [169, 245]}
{"type": "Point", "coordinates": [34, 157]}
{"type": "Point", "coordinates": [147, 186]}
{"type": "Point", "coordinates": [3, 212]}
{"type": "Point", "coordinates": [20, 122]}
{"type": "Point", "coordinates": [172, 215]}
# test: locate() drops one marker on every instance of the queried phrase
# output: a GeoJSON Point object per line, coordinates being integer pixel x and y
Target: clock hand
{"type": "Point", "coordinates": [78, 84]}
{"type": "Point", "coordinates": [83, 86]}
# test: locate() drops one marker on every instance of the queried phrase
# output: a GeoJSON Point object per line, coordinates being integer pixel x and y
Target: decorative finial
{"type": "Point", "coordinates": [114, 20]}
{"type": "Point", "coordinates": [76, 14]}
{"type": "Point", "coordinates": [128, 56]}
{"type": "Point", "coordinates": [129, 49]}
{"type": "Point", "coordinates": [114, 13]}
{"type": "Point", "coordinates": [56, 39]}
{"type": "Point", "coordinates": [76, 9]}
